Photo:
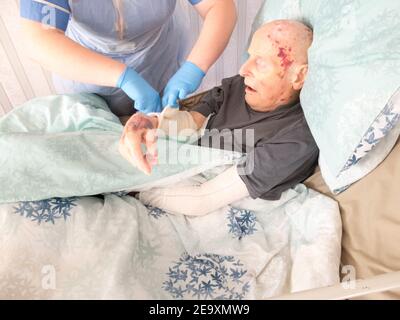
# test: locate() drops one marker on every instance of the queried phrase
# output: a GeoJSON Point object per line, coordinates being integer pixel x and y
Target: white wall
{"type": "Point", "coordinates": [21, 79]}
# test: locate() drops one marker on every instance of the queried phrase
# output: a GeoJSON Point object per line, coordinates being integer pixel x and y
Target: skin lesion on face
{"type": "Point", "coordinates": [284, 55]}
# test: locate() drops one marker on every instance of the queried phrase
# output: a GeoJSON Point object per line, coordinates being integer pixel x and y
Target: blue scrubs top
{"type": "Point", "coordinates": [144, 34]}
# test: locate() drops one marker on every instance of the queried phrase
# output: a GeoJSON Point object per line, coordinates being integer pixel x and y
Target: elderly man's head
{"type": "Point", "coordinates": [276, 69]}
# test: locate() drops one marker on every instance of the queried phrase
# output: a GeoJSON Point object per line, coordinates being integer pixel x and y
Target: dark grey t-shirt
{"type": "Point", "coordinates": [282, 151]}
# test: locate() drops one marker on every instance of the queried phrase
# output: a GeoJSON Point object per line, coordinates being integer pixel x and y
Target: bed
{"type": "Point", "coordinates": [107, 245]}
{"type": "Point", "coordinates": [58, 234]}
{"type": "Point", "coordinates": [70, 229]}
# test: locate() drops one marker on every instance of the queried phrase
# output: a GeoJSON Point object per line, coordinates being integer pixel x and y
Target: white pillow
{"type": "Point", "coordinates": [383, 136]}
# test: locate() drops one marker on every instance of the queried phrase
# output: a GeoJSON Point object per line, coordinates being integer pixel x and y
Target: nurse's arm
{"type": "Point", "coordinates": [219, 21]}
{"type": "Point", "coordinates": [57, 53]}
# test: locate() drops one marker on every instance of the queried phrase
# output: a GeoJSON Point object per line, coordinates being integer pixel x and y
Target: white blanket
{"type": "Point", "coordinates": [116, 248]}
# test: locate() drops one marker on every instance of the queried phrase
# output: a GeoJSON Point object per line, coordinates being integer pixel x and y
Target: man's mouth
{"type": "Point", "coordinates": [250, 89]}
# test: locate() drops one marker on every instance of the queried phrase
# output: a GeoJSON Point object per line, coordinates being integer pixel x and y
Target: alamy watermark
{"type": "Point", "coordinates": [49, 17]}
{"type": "Point", "coordinates": [236, 145]}
{"type": "Point", "coordinates": [49, 280]}
{"type": "Point", "coordinates": [349, 278]}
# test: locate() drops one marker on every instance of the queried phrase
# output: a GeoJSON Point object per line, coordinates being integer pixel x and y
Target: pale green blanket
{"type": "Point", "coordinates": [62, 146]}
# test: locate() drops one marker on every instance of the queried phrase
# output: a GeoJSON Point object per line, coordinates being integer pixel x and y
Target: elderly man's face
{"type": "Point", "coordinates": [266, 74]}
{"type": "Point", "coordinates": [276, 68]}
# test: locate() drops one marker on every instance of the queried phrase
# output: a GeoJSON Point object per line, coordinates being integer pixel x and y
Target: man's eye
{"type": "Point", "coordinates": [261, 64]}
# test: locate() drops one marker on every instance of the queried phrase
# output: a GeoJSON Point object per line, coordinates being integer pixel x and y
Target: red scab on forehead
{"type": "Point", "coordinates": [285, 59]}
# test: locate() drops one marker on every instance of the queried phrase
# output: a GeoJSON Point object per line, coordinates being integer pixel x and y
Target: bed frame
{"type": "Point", "coordinates": [347, 290]}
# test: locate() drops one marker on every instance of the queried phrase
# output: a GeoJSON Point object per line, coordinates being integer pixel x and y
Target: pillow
{"type": "Point", "coordinates": [353, 71]}
{"type": "Point", "coordinates": [369, 153]}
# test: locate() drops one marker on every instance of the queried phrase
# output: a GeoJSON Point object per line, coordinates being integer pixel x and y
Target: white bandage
{"type": "Point", "coordinates": [197, 200]}
{"type": "Point", "coordinates": [175, 123]}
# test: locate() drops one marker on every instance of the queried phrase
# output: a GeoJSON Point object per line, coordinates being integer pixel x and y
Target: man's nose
{"type": "Point", "coordinates": [244, 69]}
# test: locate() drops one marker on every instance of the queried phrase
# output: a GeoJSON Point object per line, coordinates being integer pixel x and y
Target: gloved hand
{"type": "Point", "coordinates": [146, 98]}
{"type": "Point", "coordinates": [185, 81]}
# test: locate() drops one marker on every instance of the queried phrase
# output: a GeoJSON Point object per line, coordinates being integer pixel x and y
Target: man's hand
{"type": "Point", "coordinates": [139, 129]}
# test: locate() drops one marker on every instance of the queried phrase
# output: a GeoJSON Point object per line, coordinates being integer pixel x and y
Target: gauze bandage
{"type": "Point", "coordinates": [175, 123]}
{"type": "Point", "coordinates": [197, 200]}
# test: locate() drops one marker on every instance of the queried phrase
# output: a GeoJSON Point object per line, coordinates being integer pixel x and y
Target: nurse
{"type": "Point", "coordinates": [127, 51]}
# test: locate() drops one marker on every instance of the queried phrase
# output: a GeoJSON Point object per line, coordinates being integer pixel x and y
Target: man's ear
{"type": "Point", "coordinates": [299, 77]}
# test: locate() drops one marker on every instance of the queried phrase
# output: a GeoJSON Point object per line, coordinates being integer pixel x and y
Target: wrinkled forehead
{"type": "Point", "coordinates": [274, 37]}
{"type": "Point", "coordinates": [264, 44]}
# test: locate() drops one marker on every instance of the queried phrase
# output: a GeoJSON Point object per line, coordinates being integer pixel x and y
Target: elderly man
{"type": "Point", "coordinates": [263, 98]}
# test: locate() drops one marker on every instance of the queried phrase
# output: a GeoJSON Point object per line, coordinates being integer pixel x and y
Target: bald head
{"type": "Point", "coordinates": [290, 38]}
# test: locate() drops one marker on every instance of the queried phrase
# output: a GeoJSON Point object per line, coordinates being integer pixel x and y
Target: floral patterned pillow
{"type": "Point", "coordinates": [386, 121]}
{"type": "Point", "coordinates": [372, 150]}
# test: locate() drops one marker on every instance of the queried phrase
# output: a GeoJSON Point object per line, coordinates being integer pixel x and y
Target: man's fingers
{"type": "Point", "coordinates": [123, 150]}
{"type": "Point", "coordinates": [133, 140]}
{"type": "Point", "coordinates": [151, 145]}
{"type": "Point", "coordinates": [140, 129]}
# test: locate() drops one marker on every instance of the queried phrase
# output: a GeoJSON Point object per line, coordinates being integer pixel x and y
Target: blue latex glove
{"type": "Point", "coordinates": [146, 98]}
{"type": "Point", "coordinates": [185, 81]}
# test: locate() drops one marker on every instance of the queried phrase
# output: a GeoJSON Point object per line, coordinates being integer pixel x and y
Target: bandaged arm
{"type": "Point", "coordinates": [201, 199]}
{"type": "Point", "coordinates": [174, 122]}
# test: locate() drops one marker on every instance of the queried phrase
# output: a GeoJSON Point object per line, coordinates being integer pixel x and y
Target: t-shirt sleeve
{"type": "Point", "coordinates": [55, 13]}
{"type": "Point", "coordinates": [211, 102]}
{"type": "Point", "coordinates": [275, 166]}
